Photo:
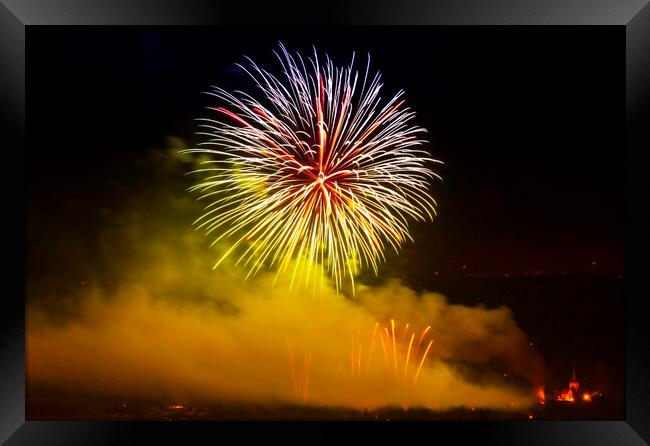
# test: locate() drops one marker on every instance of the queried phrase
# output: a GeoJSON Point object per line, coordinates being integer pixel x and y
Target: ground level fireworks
{"type": "Point", "coordinates": [56, 404]}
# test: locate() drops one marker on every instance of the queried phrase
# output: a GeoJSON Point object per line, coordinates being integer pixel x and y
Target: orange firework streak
{"type": "Point", "coordinates": [392, 327]}
{"type": "Point", "coordinates": [383, 346]}
{"type": "Point", "coordinates": [372, 345]}
{"type": "Point", "coordinates": [359, 361]}
{"type": "Point", "coordinates": [406, 329]}
{"type": "Point", "coordinates": [408, 356]}
{"type": "Point", "coordinates": [424, 332]}
{"type": "Point", "coordinates": [415, 379]}
{"type": "Point", "coordinates": [352, 354]}
{"type": "Point", "coordinates": [300, 380]}
{"type": "Point", "coordinates": [355, 357]}
{"type": "Point", "coordinates": [410, 349]}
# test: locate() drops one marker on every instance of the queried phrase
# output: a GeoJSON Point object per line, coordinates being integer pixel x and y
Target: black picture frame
{"type": "Point", "coordinates": [16, 15]}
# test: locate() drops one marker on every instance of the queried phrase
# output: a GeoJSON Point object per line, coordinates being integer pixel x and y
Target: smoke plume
{"type": "Point", "coordinates": [146, 316]}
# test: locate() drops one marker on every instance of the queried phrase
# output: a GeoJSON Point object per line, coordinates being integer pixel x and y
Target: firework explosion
{"type": "Point", "coordinates": [317, 171]}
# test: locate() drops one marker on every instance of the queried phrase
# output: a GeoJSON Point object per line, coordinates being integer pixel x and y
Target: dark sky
{"type": "Point", "coordinates": [529, 121]}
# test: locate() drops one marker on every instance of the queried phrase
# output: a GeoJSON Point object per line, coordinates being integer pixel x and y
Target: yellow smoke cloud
{"type": "Point", "coordinates": [173, 328]}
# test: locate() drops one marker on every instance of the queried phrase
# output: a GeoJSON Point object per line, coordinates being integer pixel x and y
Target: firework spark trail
{"type": "Point", "coordinates": [356, 354]}
{"type": "Point", "coordinates": [383, 346]}
{"type": "Point", "coordinates": [401, 357]}
{"type": "Point", "coordinates": [299, 378]}
{"type": "Point", "coordinates": [417, 373]}
{"type": "Point", "coordinates": [352, 344]}
{"type": "Point", "coordinates": [372, 346]}
{"type": "Point", "coordinates": [318, 169]}
{"type": "Point", "coordinates": [424, 332]}
{"type": "Point", "coordinates": [406, 329]}
{"type": "Point", "coordinates": [392, 327]}
{"type": "Point", "coordinates": [359, 361]}
{"type": "Point", "coordinates": [408, 356]}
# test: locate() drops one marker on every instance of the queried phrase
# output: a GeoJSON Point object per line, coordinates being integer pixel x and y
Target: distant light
{"type": "Point", "coordinates": [593, 263]}
{"type": "Point", "coordinates": [436, 273]}
{"type": "Point", "coordinates": [586, 397]}
{"type": "Point", "coordinates": [530, 416]}
{"type": "Point", "coordinates": [530, 344]}
{"type": "Point", "coordinates": [464, 266]}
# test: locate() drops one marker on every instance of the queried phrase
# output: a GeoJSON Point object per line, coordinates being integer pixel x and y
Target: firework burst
{"type": "Point", "coordinates": [316, 169]}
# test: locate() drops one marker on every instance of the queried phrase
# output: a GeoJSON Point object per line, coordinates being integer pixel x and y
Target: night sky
{"type": "Point", "coordinates": [528, 122]}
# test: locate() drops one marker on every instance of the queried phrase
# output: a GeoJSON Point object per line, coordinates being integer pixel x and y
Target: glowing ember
{"type": "Point", "coordinates": [566, 395]}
